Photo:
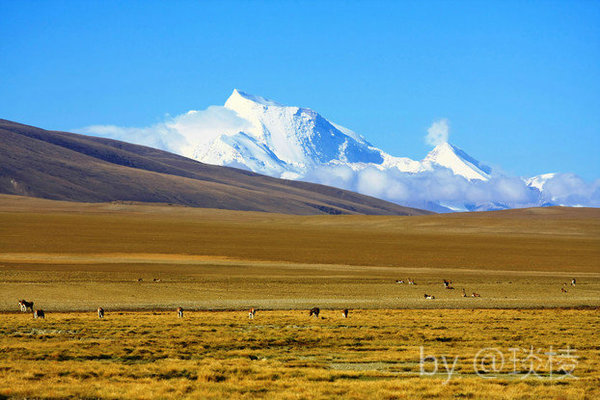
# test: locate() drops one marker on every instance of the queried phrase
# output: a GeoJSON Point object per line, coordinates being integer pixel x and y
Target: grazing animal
{"type": "Point", "coordinates": [100, 312]}
{"type": "Point", "coordinates": [251, 313]}
{"type": "Point", "coordinates": [156, 280]}
{"type": "Point", "coordinates": [464, 294]}
{"type": "Point", "coordinates": [179, 312]}
{"type": "Point", "coordinates": [25, 305]}
{"type": "Point", "coordinates": [39, 314]}
{"type": "Point", "coordinates": [140, 280]}
{"type": "Point", "coordinates": [400, 281]}
{"type": "Point", "coordinates": [314, 311]}
{"type": "Point", "coordinates": [447, 284]}
{"type": "Point", "coordinates": [411, 281]}
{"type": "Point", "coordinates": [345, 313]}
{"type": "Point", "coordinates": [429, 297]}
{"type": "Point", "coordinates": [475, 295]}
{"type": "Point", "coordinates": [573, 282]}
{"type": "Point", "coordinates": [563, 290]}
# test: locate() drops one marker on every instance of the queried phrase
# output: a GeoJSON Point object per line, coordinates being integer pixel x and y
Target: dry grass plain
{"type": "Point", "coordinates": [74, 256]}
{"type": "Point", "coordinates": [71, 258]}
{"type": "Point", "coordinates": [288, 355]}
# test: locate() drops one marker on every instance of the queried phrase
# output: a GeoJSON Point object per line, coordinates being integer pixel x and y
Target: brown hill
{"type": "Point", "coordinates": [65, 166]}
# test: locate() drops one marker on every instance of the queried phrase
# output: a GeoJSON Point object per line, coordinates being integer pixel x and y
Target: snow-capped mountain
{"type": "Point", "coordinates": [284, 141]}
{"type": "Point", "coordinates": [263, 136]}
{"type": "Point", "coordinates": [289, 142]}
{"type": "Point", "coordinates": [298, 143]}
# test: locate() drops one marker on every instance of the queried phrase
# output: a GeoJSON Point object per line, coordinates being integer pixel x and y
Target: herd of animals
{"type": "Point", "coordinates": [26, 306]}
{"type": "Point", "coordinates": [448, 285]}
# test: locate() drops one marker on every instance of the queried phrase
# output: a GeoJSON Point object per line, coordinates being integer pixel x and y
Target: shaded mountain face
{"type": "Point", "coordinates": [65, 166]}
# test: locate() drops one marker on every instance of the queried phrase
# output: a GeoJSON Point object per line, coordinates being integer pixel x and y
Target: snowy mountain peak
{"type": "Point", "coordinates": [283, 140]}
{"type": "Point", "coordinates": [239, 98]}
{"type": "Point", "coordinates": [455, 159]}
{"type": "Point", "coordinates": [539, 181]}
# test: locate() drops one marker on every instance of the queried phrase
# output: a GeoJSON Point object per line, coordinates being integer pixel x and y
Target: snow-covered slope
{"type": "Point", "coordinates": [455, 159]}
{"type": "Point", "coordinates": [291, 141]}
{"type": "Point", "coordinates": [284, 141]}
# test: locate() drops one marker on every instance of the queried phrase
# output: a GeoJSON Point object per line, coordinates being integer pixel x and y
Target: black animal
{"type": "Point", "coordinates": [447, 284]}
{"type": "Point", "coordinates": [314, 311]}
{"type": "Point", "coordinates": [26, 305]}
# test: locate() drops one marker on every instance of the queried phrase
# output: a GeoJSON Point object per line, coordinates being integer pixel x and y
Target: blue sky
{"type": "Point", "coordinates": [518, 81]}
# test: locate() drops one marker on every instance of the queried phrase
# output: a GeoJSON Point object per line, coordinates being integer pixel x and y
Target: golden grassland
{"type": "Point", "coordinates": [225, 285]}
{"type": "Point", "coordinates": [138, 261]}
{"type": "Point", "coordinates": [75, 256]}
{"type": "Point", "coordinates": [289, 355]}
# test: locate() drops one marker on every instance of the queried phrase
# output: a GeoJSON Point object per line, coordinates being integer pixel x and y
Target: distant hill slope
{"type": "Point", "coordinates": [65, 166]}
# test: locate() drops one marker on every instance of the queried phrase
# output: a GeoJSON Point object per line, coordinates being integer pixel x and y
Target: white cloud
{"type": "Point", "coordinates": [426, 188]}
{"type": "Point", "coordinates": [180, 134]}
{"type": "Point", "coordinates": [158, 136]}
{"type": "Point", "coordinates": [438, 132]}
{"type": "Point", "coordinates": [570, 189]}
